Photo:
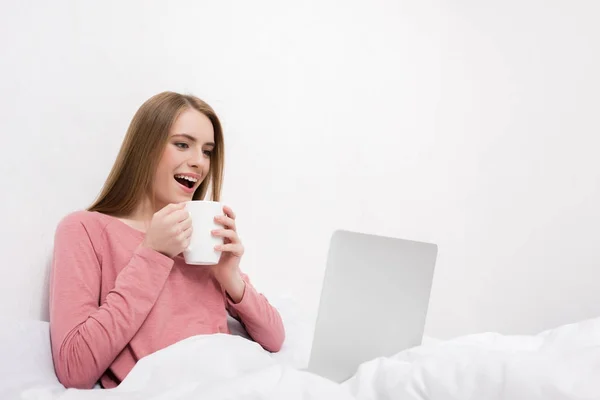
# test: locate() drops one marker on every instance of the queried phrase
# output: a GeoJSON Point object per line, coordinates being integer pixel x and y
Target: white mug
{"type": "Point", "coordinates": [201, 250]}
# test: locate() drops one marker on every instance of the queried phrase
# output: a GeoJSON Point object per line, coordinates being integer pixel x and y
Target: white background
{"type": "Point", "coordinates": [470, 124]}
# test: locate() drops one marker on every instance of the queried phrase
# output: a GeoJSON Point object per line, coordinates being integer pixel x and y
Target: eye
{"type": "Point", "coordinates": [182, 145]}
{"type": "Point", "coordinates": [207, 153]}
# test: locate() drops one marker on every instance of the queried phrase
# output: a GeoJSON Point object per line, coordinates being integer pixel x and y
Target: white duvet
{"type": "Point", "coordinates": [563, 363]}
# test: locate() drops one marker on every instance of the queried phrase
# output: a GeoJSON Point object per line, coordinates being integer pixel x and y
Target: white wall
{"type": "Point", "coordinates": [471, 124]}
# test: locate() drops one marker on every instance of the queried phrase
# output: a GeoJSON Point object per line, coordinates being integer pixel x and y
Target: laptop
{"type": "Point", "coordinates": [373, 302]}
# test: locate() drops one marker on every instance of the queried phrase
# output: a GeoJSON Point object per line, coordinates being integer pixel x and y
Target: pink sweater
{"type": "Point", "coordinates": [113, 302]}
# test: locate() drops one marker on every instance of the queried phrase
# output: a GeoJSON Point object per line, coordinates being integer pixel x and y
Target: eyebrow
{"type": "Point", "coordinates": [193, 139]}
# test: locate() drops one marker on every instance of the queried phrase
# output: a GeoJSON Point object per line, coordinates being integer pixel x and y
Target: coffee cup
{"type": "Point", "coordinates": [201, 250]}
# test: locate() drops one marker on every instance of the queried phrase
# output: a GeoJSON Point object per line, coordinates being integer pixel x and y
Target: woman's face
{"type": "Point", "coordinates": [185, 161]}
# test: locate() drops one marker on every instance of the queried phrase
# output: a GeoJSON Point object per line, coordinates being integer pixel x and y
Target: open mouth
{"type": "Point", "coordinates": [186, 181]}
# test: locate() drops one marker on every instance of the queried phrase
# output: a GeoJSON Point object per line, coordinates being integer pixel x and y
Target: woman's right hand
{"type": "Point", "coordinates": [170, 230]}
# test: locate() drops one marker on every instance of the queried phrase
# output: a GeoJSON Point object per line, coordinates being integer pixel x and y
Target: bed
{"type": "Point", "coordinates": [562, 363]}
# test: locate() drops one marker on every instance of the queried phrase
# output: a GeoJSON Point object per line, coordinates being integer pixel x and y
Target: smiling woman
{"type": "Point", "coordinates": [168, 130]}
{"type": "Point", "coordinates": [120, 288]}
{"type": "Point", "coordinates": [186, 159]}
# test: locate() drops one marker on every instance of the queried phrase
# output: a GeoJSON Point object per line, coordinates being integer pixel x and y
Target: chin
{"type": "Point", "coordinates": [181, 199]}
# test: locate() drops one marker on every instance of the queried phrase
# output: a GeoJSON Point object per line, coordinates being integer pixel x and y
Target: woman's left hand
{"type": "Point", "coordinates": [227, 270]}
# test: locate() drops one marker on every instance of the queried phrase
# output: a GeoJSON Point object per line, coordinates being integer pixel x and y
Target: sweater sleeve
{"type": "Point", "coordinates": [87, 336]}
{"type": "Point", "coordinates": [261, 320]}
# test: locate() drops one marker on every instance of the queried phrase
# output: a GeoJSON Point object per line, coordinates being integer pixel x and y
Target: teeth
{"type": "Point", "coordinates": [189, 178]}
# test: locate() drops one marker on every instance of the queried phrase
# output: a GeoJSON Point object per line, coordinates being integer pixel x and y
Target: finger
{"type": "Point", "coordinates": [180, 227]}
{"type": "Point", "coordinates": [226, 233]}
{"type": "Point", "coordinates": [225, 221]}
{"type": "Point", "coordinates": [234, 248]}
{"type": "Point", "coordinates": [170, 208]}
{"type": "Point", "coordinates": [181, 237]}
{"type": "Point", "coordinates": [188, 232]}
{"type": "Point", "coordinates": [186, 223]}
{"type": "Point", "coordinates": [229, 212]}
{"type": "Point", "coordinates": [178, 216]}
{"type": "Point", "coordinates": [185, 241]}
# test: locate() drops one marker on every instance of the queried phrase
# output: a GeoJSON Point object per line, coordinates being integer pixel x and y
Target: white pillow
{"type": "Point", "coordinates": [25, 358]}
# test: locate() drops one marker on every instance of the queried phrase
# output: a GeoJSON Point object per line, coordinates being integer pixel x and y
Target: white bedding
{"type": "Point", "coordinates": [563, 363]}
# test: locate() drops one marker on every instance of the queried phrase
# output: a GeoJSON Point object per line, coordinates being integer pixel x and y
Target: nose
{"type": "Point", "coordinates": [198, 160]}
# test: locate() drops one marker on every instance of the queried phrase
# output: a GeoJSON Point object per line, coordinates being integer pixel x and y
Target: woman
{"type": "Point", "coordinates": [120, 288]}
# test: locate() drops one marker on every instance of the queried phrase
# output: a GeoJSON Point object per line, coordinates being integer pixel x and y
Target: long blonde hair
{"type": "Point", "coordinates": [133, 172]}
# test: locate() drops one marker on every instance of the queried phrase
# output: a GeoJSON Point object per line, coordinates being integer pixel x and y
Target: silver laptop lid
{"type": "Point", "coordinates": [373, 302]}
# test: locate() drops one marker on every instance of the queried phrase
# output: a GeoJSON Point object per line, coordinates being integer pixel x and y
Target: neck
{"type": "Point", "coordinates": [142, 215]}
